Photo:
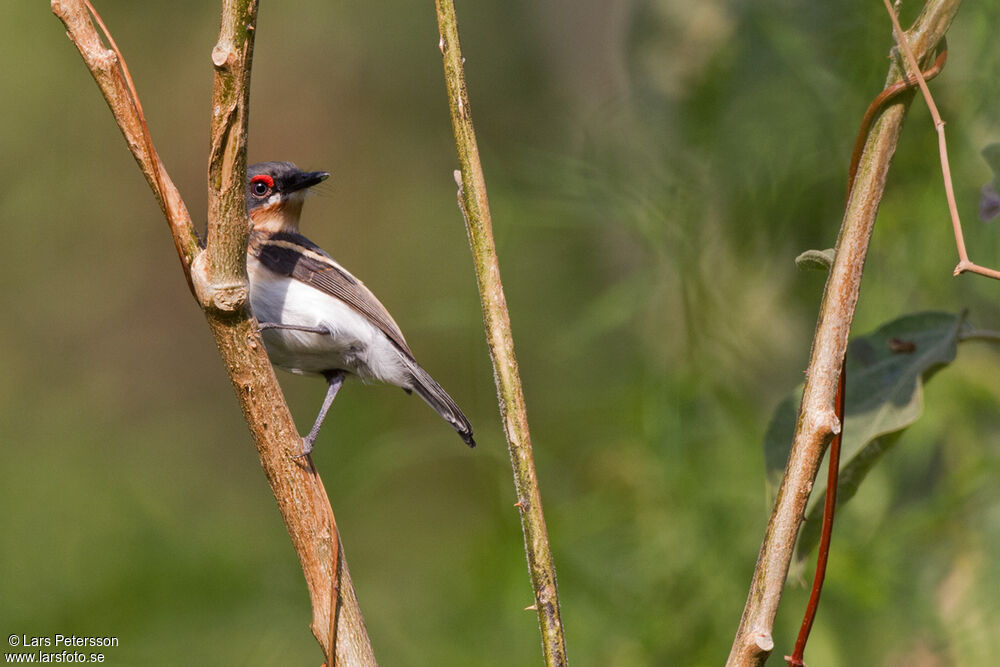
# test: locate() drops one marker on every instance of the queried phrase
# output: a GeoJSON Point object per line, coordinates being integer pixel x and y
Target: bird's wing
{"type": "Point", "coordinates": [296, 256]}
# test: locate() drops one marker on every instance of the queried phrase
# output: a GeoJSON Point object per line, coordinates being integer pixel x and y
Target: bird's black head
{"type": "Point", "coordinates": [271, 183]}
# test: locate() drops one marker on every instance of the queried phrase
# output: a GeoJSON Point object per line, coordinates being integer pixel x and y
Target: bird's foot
{"type": "Point", "coordinates": [307, 447]}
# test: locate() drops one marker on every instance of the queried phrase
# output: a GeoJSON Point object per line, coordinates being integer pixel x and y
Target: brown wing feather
{"type": "Point", "coordinates": [296, 256]}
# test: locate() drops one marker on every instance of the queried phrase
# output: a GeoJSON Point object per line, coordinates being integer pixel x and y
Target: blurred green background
{"type": "Point", "coordinates": [654, 167]}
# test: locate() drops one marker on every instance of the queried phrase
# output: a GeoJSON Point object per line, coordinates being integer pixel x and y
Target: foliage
{"type": "Point", "coordinates": [886, 371]}
{"type": "Point", "coordinates": [652, 168]}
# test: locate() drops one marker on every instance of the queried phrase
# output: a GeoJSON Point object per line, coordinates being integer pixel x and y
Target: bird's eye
{"type": "Point", "coordinates": [260, 186]}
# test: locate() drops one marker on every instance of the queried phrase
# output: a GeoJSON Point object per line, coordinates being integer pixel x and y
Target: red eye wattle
{"type": "Point", "coordinates": [261, 186]}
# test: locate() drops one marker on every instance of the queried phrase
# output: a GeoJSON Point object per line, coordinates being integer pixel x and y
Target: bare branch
{"type": "Point", "coordinates": [475, 208]}
{"type": "Point", "coordinates": [964, 263]}
{"type": "Point", "coordinates": [228, 226]}
{"type": "Point", "coordinates": [109, 71]}
{"type": "Point", "coordinates": [817, 422]}
{"type": "Point", "coordinates": [218, 278]}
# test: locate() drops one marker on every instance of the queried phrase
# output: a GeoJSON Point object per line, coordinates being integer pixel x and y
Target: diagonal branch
{"type": "Point", "coordinates": [817, 422]}
{"type": "Point", "coordinates": [476, 210]}
{"type": "Point", "coordinates": [218, 278]}
{"type": "Point", "coordinates": [109, 71]}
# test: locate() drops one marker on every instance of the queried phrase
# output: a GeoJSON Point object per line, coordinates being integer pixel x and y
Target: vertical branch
{"type": "Point", "coordinates": [218, 279]}
{"type": "Point", "coordinates": [228, 227]}
{"type": "Point", "coordinates": [817, 422]}
{"type": "Point", "coordinates": [475, 208]}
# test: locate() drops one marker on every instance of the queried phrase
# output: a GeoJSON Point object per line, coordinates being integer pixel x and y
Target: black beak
{"type": "Point", "coordinates": [305, 179]}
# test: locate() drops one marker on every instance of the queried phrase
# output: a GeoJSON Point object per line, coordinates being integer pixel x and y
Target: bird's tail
{"type": "Point", "coordinates": [436, 397]}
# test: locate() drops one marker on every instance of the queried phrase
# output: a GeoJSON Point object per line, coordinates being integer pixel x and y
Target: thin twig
{"type": "Point", "coordinates": [106, 66]}
{"type": "Point", "coordinates": [889, 94]}
{"type": "Point", "coordinates": [475, 208]}
{"type": "Point", "coordinates": [964, 263]}
{"type": "Point", "coordinates": [817, 422]}
{"type": "Point", "coordinates": [147, 139]}
{"type": "Point", "coordinates": [218, 279]}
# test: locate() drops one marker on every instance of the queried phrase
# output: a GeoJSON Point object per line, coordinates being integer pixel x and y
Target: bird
{"type": "Point", "coordinates": [315, 317]}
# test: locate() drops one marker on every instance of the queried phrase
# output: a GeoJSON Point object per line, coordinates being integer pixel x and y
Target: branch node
{"type": "Point", "coordinates": [824, 423]}
{"type": "Point", "coordinates": [835, 424]}
{"type": "Point", "coordinates": [763, 640]}
{"type": "Point", "coordinates": [223, 55]}
{"type": "Point", "coordinates": [220, 297]}
{"type": "Point", "coordinates": [105, 59]}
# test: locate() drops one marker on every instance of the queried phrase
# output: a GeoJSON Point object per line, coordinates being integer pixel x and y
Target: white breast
{"type": "Point", "coordinates": [354, 344]}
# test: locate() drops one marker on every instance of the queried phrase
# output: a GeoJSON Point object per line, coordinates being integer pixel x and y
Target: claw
{"type": "Point", "coordinates": [307, 447]}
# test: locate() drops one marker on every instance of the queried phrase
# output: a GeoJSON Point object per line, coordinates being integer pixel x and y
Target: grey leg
{"type": "Point", "coordinates": [335, 380]}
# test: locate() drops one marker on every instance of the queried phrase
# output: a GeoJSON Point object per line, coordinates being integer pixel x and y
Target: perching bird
{"type": "Point", "coordinates": [315, 317]}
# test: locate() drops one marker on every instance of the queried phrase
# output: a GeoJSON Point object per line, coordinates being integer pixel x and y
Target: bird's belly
{"type": "Point", "coordinates": [305, 353]}
{"type": "Point", "coordinates": [352, 343]}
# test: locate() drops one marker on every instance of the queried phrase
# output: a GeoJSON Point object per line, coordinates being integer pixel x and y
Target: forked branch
{"type": "Point", "coordinates": [217, 276]}
{"type": "Point", "coordinates": [964, 263]}
{"type": "Point", "coordinates": [817, 422]}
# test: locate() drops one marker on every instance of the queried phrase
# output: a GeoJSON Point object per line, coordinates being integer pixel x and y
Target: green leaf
{"type": "Point", "coordinates": [886, 370]}
{"type": "Point", "coordinates": [820, 260]}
